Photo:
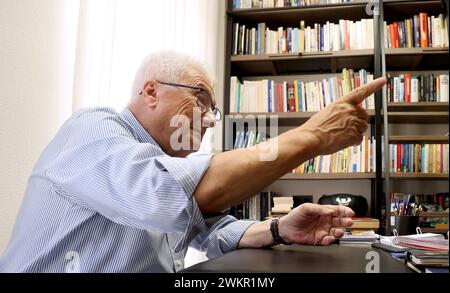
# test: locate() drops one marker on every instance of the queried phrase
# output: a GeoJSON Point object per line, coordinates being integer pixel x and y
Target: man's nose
{"type": "Point", "coordinates": [208, 120]}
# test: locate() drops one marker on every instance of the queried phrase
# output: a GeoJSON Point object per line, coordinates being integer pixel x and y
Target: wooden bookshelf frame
{"type": "Point", "coordinates": [419, 176]}
{"type": "Point", "coordinates": [329, 176]}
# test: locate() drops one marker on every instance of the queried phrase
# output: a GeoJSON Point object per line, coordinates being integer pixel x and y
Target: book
{"type": "Point", "coordinates": [365, 223]}
{"type": "Point", "coordinates": [436, 270]}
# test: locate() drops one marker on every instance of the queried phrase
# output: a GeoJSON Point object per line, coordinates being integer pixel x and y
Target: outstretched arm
{"type": "Point", "coordinates": [235, 176]}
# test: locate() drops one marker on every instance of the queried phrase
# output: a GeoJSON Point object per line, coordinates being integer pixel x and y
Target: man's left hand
{"type": "Point", "coordinates": [312, 224]}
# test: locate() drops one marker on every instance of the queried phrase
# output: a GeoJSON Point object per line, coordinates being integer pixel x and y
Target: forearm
{"type": "Point", "coordinates": [257, 236]}
{"type": "Point", "coordinates": [237, 175]}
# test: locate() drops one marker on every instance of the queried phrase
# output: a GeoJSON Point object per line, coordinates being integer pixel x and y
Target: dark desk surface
{"type": "Point", "coordinates": [300, 259]}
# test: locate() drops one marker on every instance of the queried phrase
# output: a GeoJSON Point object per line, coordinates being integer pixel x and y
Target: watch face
{"type": "Point", "coordinates": [275, 234]}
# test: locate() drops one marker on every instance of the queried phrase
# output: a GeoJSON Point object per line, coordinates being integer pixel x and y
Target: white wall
{"type": "Point", "coordinates": [37, 53]}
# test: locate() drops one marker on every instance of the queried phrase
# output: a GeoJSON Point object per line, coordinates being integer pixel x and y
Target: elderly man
{"type": "Point", "coordinates": [111, 193]}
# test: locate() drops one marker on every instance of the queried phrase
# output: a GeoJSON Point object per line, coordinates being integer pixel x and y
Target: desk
{"type": "Point", "coordinates": [300, 259]}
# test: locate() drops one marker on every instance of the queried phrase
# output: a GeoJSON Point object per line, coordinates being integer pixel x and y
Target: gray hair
{"type": "Point", "coordinates": [168, 66]}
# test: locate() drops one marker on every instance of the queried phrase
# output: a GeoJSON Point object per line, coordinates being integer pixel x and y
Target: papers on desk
{"type": "Point", "coordinates": [427, 241]}
{"type": "Point", "coordinates": [363, 238]}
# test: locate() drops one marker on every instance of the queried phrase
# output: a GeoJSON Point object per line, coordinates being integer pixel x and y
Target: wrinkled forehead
{"type": "Point", "coordinates": [198, 79]}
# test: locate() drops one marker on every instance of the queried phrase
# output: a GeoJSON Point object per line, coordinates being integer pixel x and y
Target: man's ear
{"type": "Point", "coordinates": [150, 94]}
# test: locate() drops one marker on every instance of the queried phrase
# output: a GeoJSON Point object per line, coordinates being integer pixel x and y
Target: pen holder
{"type": "Point", "coordinates": [406, 225]}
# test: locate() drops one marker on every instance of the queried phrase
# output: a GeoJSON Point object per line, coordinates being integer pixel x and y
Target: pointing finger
{"type": "Point", "coordinates": [360, 94]}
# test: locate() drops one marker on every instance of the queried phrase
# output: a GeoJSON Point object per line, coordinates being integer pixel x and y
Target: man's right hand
{"type": "Point", "coordinates": [343, 123]}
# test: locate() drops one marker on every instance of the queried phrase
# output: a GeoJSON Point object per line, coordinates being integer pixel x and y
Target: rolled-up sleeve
{"type": "Point", "coordinates": [223, 235]}
{"type": "Point", "coordinates": [128, 182]}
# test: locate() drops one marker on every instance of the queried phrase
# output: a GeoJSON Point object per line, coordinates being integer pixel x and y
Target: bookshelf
{"type": "Point", "coordinates": [308, 65]}
{"type": "Point", "coordinates": [418, 122]}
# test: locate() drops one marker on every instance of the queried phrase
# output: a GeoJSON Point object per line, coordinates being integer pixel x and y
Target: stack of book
{"type": "Point", "coordinates": [364, 225]}
{"type": "Point", "coordinates": [282, 205]}
{"type": "Point", "coordinates": [426, 260]}
{"type": "Point", "coordinates": [362, 238]}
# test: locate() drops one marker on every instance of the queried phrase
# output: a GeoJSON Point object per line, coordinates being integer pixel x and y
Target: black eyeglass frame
{"type": "Point", "coordinates": [214, 109]}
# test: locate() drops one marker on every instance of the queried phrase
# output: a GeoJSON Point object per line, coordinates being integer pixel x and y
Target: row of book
{"type": "Point", "coordinates": [417, 88]}
{"type": "Point", "coordinates": [256, 208]}
{"type": "Point", "coordinates": [345, 35]}
{"type": "Point", "coordinates": [420, 31]}
{"type": "Point", "coordinates": [268, 204]}
{"type": "Point", "coordinates": [419, 158]}
{"type": "Point", "coordinates": [247, 4]}
{"type": "Point", "coordinates": [269, 96]}
{"type": "Point", "coordinates": [355, 159]}
{"type": "Point", "coordinates": [248, 138]}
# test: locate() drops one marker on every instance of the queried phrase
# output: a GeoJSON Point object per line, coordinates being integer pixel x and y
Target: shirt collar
{"type": "Point", "coordinates": [142, 135]}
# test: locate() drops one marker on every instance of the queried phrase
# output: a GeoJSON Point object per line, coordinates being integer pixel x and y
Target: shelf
{"type": "Point", "coordinates": [417, 59]}
{"type": "Point", "coordinates": [415, 51]}
{"type": "Point", "coordinates": [433, 230]}
{"type": "Point", "coordinates": [418, 117]}
{"type": "Point", "coordinates": [436, 139]}
{"type": "Point", "coordinates": [434, 214]}
{"type": "Point", "coordinates": [417, 107]}
{"type": "Point", "coordinates": [284, 119]}
{"type": "Point", "coordinates": [317, 62]}
{"type": "Point", "coordinates": [336, 176]}
{"type": "Point", "coordinates": [431, 214]}
{"type": "Point", "coordinates": [417, 176]}
{"type": "Point", "coordinates": [421, 112]}
{"type": "Point", "coordinates": [291, 16]}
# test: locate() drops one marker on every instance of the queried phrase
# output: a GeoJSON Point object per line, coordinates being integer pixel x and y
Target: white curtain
{"type": "Point", "coordinates": [115, 35]}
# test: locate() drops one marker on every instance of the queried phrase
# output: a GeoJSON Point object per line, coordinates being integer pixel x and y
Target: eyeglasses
{"type": "Point", "coordinates": [202, 98]}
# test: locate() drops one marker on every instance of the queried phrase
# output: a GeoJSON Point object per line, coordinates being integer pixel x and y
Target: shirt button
{"type": "Point", "coordinates": [179, 263]}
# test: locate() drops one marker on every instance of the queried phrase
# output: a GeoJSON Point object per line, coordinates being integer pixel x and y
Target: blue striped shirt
{"type": "Point", "coordinates": [104, 197]}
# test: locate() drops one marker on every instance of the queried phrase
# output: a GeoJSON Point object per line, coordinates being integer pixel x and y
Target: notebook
{"type": "Point", "coordinates": [363, 238]}
{"type": "Point", "coordinates": [427, 241]}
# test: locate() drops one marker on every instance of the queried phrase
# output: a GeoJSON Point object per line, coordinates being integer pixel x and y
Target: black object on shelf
{"type": "Point", "coordinates": [356, 202]}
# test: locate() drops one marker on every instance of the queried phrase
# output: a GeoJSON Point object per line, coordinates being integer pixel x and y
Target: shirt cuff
{"type": "Point", "coordinates": [188, 172]}
{"type": "Point", "coordinates": [228, 238]}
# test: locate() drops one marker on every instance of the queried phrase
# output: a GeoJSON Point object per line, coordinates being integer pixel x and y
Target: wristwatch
{"type": "Point", "coordinates": [275, 234]}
